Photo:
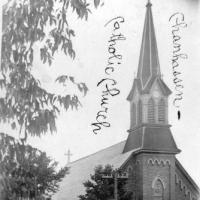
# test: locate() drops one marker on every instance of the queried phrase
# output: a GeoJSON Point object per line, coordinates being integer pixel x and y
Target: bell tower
{"type": "Point", "coordinates": [149, 98]}
{"type": "Point", "coordinates": [150, 138]}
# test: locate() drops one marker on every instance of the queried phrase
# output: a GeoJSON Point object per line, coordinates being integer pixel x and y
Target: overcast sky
{"type": "Point", "coordinates": [91, 43]}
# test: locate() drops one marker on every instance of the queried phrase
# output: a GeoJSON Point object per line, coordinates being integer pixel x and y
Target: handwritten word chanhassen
{"type": "Point", "coordinates": [177, 21]}
{"type": "Point", "coordinates": [108, 84]}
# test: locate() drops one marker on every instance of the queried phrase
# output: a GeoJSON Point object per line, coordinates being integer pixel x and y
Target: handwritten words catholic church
{"type": "Point", "coordinates": [148, 154]}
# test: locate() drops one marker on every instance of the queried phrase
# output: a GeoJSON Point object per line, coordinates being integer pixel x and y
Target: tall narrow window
{"type": "Point", "coordinates": [133, 115]}
{"type": "Point", "coordinates": [161, 111]}
{"type": "Point", "coordinates": [158, 190]}
{"type": "Point", "coordinates": [139, 112]}
{"type": "Point", "coordinates": [151, 111]}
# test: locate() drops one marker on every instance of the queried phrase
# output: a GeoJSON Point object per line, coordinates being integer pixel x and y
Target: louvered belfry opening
{"type": "Point", "coordinates": [161, 111]}
{"type": "Point", "coordinates": [139, 112]}
{"type": "Point", "coordinates": [133, 115]}
{"type": "Point", "coordinates": [151, 111]}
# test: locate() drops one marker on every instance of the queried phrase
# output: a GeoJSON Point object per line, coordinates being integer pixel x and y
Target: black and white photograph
{"type": "Point", "coordinates": [99, 100]}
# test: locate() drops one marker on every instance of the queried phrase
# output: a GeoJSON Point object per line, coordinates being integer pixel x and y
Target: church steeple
{"type": "Point", "coordinates": [149, 66]}
{"type": "Point", "coordinates": [149, 128]}
{"type": "Point", "coordinates": [149, 94]}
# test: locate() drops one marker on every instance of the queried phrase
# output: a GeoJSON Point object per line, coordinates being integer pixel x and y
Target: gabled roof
{"type": "Point", "coordinates": [151, 139]}
{"type": "Point", "coordinates": [166, 91]}
{"type": "Point", "coordinates": [187, 176]}
{"type": "Point", "coordinates": [72, 185]}
{"type": "Point", "coordinates": [137, 84]}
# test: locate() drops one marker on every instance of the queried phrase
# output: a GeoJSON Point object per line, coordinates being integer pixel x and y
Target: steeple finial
{"type": "Point", "coordinates": [149, 4]}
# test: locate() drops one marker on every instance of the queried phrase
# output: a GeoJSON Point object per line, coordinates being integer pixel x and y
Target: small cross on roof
{"type": "Point", "coordinates": [68, 154]}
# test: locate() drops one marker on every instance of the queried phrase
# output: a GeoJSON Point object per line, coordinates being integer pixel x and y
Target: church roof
{"type": "Point", "coordinates": [187, 176]}
{"type": "Point", "coordinates": [117, 156]}
{"type": "Point", "coordinates": [79, 171]}
{"type": "Point", "coordinates": [151, 138]}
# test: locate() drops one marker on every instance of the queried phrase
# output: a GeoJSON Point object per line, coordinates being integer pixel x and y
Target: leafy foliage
{"type": "Point", "coordinates": [26, 23]}
{"type": "Point", "coordinates": [26, 171]}
{"type": "Point", "coordinates": [103, 189]}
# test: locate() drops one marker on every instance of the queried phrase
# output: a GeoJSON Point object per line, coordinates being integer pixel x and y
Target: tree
{"type": "Point", "coordinates": [26, 23]}
{"type": "Point", "coordinates": [27, 172]}
{"type": "Point", "coordinates": [103, 189]}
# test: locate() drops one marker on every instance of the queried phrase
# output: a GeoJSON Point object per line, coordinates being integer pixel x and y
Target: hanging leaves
{"type": "Point", "coordinates": [96, 3]}
{"type": "Point", "coordinates": [81, 8]}
{"type": "Point", "coordinates": [63, 80]}
{"type": "Point", "coordinates": [26, 104]}
{"type": "Point", "coordinates": [83, 88]}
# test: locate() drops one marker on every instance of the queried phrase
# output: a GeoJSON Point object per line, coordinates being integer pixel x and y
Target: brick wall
{"type": "Point", "coordinates": [144, 170]}
{"type": "Point", "coordinates": [184, 189]}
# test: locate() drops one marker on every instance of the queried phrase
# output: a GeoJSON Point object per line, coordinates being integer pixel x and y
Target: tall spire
{"type": "Point", "coordinates": [149, 66]}
{"type": "Point", "coordinates": [149, 129]}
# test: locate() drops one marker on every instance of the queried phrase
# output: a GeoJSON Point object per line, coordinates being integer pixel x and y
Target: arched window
{"type": "Point", "coordinates": [139, 112]}
{"type": "Point", "coordinates": [151, 111]}
{"type": "Point", "coordinates": [161, 111]}
{"type": "Point", "coordinates": [133, 115]}
{"type": "Point", "coordinates": [158, 190]}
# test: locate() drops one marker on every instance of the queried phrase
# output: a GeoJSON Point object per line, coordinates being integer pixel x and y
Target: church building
{"type": "Point", "coordinates": [149, 153]}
